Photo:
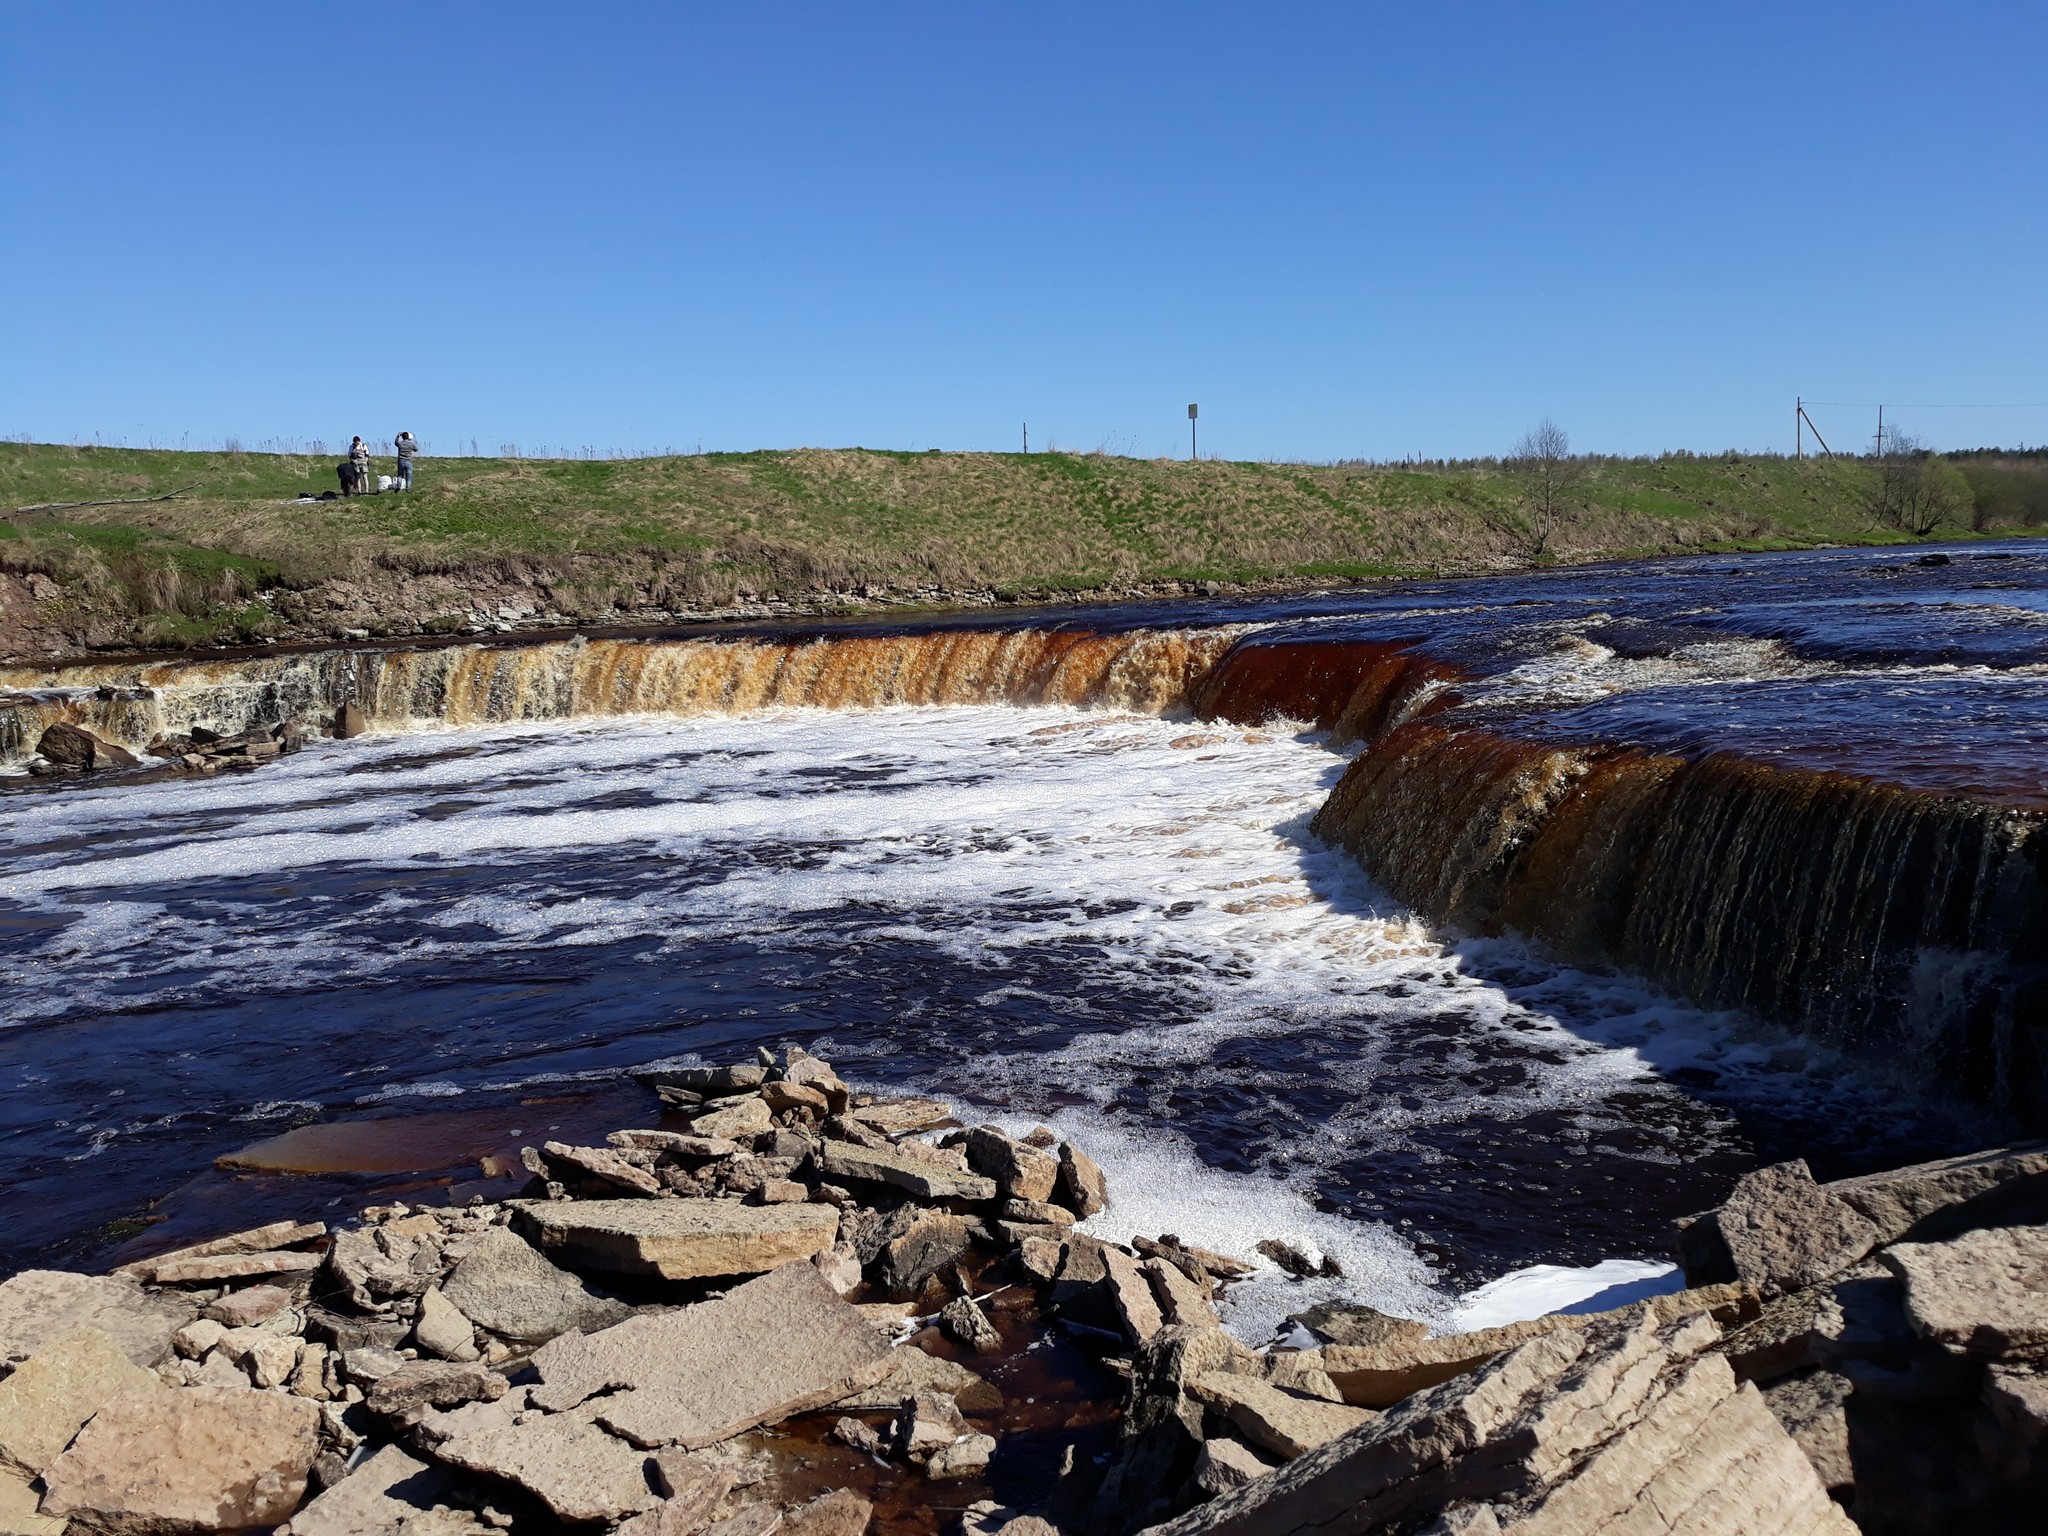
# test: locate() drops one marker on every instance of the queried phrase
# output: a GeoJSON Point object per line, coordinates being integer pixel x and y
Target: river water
{"type": "Point", "coordinates": [1117, 925]}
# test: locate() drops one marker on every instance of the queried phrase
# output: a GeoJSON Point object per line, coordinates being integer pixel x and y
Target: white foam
{"type": "Point", "coordinates": [1543, 1289]}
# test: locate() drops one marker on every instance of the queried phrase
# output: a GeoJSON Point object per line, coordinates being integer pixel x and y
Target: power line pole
{"type": "Point", "coordinates": [1798, 427]}
{"type": "Point", "coordinates": [1027, 437]}
{"type": "Point", "coordinates": [1191, 433]}
{"type": "Point", "coordinates": [1880, 434]}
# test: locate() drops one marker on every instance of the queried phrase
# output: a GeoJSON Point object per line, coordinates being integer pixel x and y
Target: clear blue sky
{"type": "Point", "coordinates": [1343, 229]}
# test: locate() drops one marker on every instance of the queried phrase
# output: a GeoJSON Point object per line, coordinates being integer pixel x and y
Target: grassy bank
{"type": "Point", "coordinates": [618, 538]}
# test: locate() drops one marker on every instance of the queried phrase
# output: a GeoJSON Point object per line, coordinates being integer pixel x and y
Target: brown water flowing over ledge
{"type": "Point", "coordinates": [1897, 920]}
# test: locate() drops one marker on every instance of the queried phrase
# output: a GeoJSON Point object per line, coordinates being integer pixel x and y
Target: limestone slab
{"type": "Point", "coordinates": [1897, 1201]}
{"type": "Point", "coordinates": [1984, 1293]}
{"type": "Point", "coordinates": [778, 1345]}
{"type": "Point", "coordinates": [900, 1170]}
{"type": "Point", "coordinates": [675, 1239]}
{"type": "Point", "coordinates": [1783, 1231]}
{"type": "Point", "coordinates": [264, 1239]}
{"type": "Point", "coordinates": [912, 1371]}
{"type": "Point", "coordinates": [50, 1395]}
{"type": "Point", "coordinates": [194, 1459]}
{"type": "Point", "coordinates": [735, 1118]}
{"type": "Point", "coordinates": [391, 1494]}
{"type": "Point", "coordinates": [564, 1460]}
{"type": "Point", "coordinates": [40, 1306]}
{"type": "Point", "coordinates": [19, 1511]}
{"type": "Point", "coordinates": [508, 1286]}
{"type": "Point", "coordinates": [1277, 1420]}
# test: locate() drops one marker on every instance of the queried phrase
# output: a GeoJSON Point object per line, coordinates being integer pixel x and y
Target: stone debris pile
{"type": "Point", "coordinates": [793, 1300]}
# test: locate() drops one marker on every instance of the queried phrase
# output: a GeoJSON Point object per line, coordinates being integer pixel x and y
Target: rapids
{"type": "Point", "coordinates": [1240, 899]}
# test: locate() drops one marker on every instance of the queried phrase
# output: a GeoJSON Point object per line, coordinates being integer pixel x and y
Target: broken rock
{"type": "Point", "coordinates": [965, 1323]}
{"type": "Point", "coordinates": [391, 1494]}
{"type": "Point", "coordinates": [926, 1179]}
{"type": "Point", "coordinates": [51, 1394]}
{"type": "Point", "coordinates": [1226, 1464]}
{"type": "Point", "coordinates": [1780, 1231]}
{"type": "Point", "coordinates": [1019, 1172]}
{"type": "Point", "coordinates": [565, 1461]}
{"type": "Point", "coordinates": [1280, 1421]}
{"type": "Point", "coordinates": [249, 1307]}
{"type": "Point", "coordinates": [912, 1371]}
{"type": "Point", "coordinates": [194, 1459]}
{"type": "Point", "coordinates": [434, 1384]}
{"type": "Point", "coordinates": [672, 1375]}
{"type": "Point", "coordinates": [506, 1285]}
{"type": "Point", "coordinates": [40, 1306]}
{"type": "Point", "coordinates": [842, 1513]}
{"type": "Point", "coordinates": [676, 1239]}
{"type": "Point", "coordinates": [1984, 1293]}
{"type": "Point", "coordinates": [442, 1330]}
{"type": "Point", "coordinates": [1082, 1187]}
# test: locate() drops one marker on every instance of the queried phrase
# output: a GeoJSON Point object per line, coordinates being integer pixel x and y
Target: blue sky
{"type": "Point", "coordinates": [1363, 230]}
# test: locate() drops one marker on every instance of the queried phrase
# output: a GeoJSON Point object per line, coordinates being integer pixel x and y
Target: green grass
{"type": "Point", "coordinates": [701, 530]}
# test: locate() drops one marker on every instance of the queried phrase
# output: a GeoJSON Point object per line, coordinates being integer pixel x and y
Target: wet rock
{"type": "Point", "coordinates": [51, 1394]}
{"type": "Point", "coordinates": [1896, 1202]}
{"type": "Point", "coordinates": [1352, 1323]}
{"type": "Point", "coordinates": [734, 1119]}
{"type": "Point", "coordinates": [1984, 1293]}
{"type": "Point", "coordinates": [604, 1164]}
{"type": "Point", "coordinates": [842, 1513]}
{"type": "Point", "coordinates": [40, 1306]}
{"type": "Point", "coordinates": [1181, 1300]}
{"type": "Point", "coordinates": [916, 1245]}
{"type": "Point", "coordinates": [912, 1371]}
{"type": "Point", "coordinates": [1301, 1260]}
{"type": "Point", "coordinates": [675, 1239]}
{"type": "Point", "coordinates": [1226, 1464]}
{"type": "Point", "coordinates": [442, 1329]}
{"type": "Point", "coordinates": [1813, 1408]}
{"type": "Point", "coordinates": [248, 1307]}
{"type": "Point", "coordinates": [861, 1436]}
{"type": "Point", "coordinates": [1019, 1172]}
{"type": "Point", "coordinates": [508, 1286]}
{"type": "Point", "coordinates": [1778, 1231]}
{"type": "Point", "coordinates": [968, 1456]}
{"type": "Point", "coordinates": [564, 1460]}
{"type": "Point", "coordinates": [711, 1082]}
{"type": "Point", "coordinates": [1131, 1294]}
{"type": "Point", "coordinates": [1082, 1187]}
{"type": "Point", "coordinates": [195, 1459]}
{"type": "Point", "coordinates": [930, 1422]}
{"type": "Point", "coordinates": [965, 1323]}
{"type": "Point", "coordinates": [73, 746]}
{"type": "Point", "coordinates": [433, 1384]}
{"type": "Point", "coordinates": [897, 1169]}
{"type": "Point", "coordinates": [349, 720]}
{"type": "Point", "coordinates": [676, 1377]}
{"type": "Point", "coordinates": [1277, 1420]}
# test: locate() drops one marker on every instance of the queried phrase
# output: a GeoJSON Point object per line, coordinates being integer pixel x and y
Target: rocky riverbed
{"type": "Point", "coordinates": [816, 1311]}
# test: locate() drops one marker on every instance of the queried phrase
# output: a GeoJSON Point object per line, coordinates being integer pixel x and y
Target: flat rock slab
{"type": "Point", "coordinates": [390, 1494]}
{"type": "Point", "coordinates": [781, 1344]}
{"type": "Point", "coordinates": [565, 1461]}
{"type": "Point", "coordinates": [52, 1393]}
{"type": "Point", "coordinates": [897, 1116]}
{"type": "Point", "coordinates": [278, 1234]}
{"type": "Point", "coordinates": [508, 1286]}
{"type": "Point", "coordinates": [19, 1515]}
{"type": "Point", "coordinates": [912, 1371]}
{"type": "Point", "coordinates": [40, 1306]}
{"type": "Point", "coordinates": [193, 1459]}
{"type": "Point", "coordinates": [234, 1266]}
{"type": "Point", "coordinates": [675, 1239]}
{"type": "Point", "coordinates": [1277, 1420]}
{"type": "Point", "coordinates": [1985, 1293]}
{"type": "Point", "coordinates": [1896, 1202]}
{"type": "Point", "coordinates": [900, 1170]}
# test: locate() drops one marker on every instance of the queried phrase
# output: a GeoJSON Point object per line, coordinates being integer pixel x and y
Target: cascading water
{"type": "Point", "coordinates": [564, 858]}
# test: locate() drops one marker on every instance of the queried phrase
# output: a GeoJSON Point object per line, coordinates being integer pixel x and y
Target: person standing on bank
{"type": "Point", "coordinates": [407, 446]}
{"type": "Point", "coordinates": [359, 465]}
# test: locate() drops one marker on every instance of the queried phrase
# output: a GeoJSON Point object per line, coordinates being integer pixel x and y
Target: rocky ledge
{"type": "Point", "coordinates": [790, 1314]}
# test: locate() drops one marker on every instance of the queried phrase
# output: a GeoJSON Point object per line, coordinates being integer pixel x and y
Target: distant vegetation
{"type": "Point", "coordinates": [235, 557]}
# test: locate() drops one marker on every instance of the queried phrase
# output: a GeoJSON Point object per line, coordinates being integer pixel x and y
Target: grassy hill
{"type": "Point", "coordinates": [234, 556]}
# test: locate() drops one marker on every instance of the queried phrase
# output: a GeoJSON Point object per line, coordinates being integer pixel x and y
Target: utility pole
{"type": "Point", "coordinates": [1191, 433]}
{"type": "Point", "coordinates": [1027, 437]}
{"type": "Point", "coordinates": [1798, 427]}
{"type": "Point", "coordinates": [1880, 434]}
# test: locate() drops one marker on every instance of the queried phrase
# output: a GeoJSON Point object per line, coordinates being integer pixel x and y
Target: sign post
{"type": "Point", "coordinates": [1191, 434]}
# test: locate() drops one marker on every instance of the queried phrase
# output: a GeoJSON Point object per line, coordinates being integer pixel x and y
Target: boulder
{"type": "Point", "coordinates": [267, 1357]}
{"type": "Point", "coordinates": [40, 1306]}
{"type": "Point", "coordinates": [581, 1473]}
{"type": "Point", "coordinates": [1778, 1231]}
{"type": "Point", "coordinates": [1037, 1213]}
{"type": "Point", "coordinates": [1896, 1202]}
{"type": "Point", "coordinates": [1180, 1299]}
{"type": "Point", "coordinates": [778, 1345]}
{"type": "Point", "coordinates": [191, 1460]}
{"type": "Point", "coordinates": [1226, 1464]}
{"type": "Point", "coordinates": [1282, 1422]}
{"type": "Point", "coordinates": [605, 1164]}
{"type": "Point", "coordinates": [1984, 1293]}
{"type": "Point", "coordinates": [965, 1323]}
{"type": "Point", "coordinates": [51, 1394]}
{"type": "Point", "coordinates": [1082, 1188]}
{"type": "Point", "coordinates": [1301, 1371]}
{"type": "Point", "coordinates": [674, 1239]}
{"type": "Point", "coordinates": [677, 1144]}
{"type": "Point", "coordinates": [75, 747]}
{"type": "Point", "coordinates": [912, 1371]}
{"type": "Point", "coordinates": [1131, 1294]}
{"type": "Point", "coordinates": [784, 1096]}
{"type": "Point", "coordinates": [917, 1244]}
{"type": "Point", "coordinates": [507, 1286]}
{"type": "Point", "coordinates": [1019, 1172]}
{"type": "Point", "coordinates": [841, 1513]}
{"type": "Point", "coordinates": [248, 1307]}
{"type": "Point", "coordinates": [1343, 1322]}
{"type": "Point", "coordinates": [900, 1170]}
{"type": "Point", "coordinates": [349, 720]}
{"type": "Point", "coordinates": [391, 1494]}
{"type": "Point", "coordinates": [442, 1330]}
{"type": "Point", "coordinates": [967, 1456]}
{"type": "Point", "coordinates": [930, 1422]}
{"type": "Point", "coordinates": [433, 1384]}
{"type": "Point", "coordinates": [1622, 1426]}
{"type": "Point", "coordinates": [735, 1118]}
